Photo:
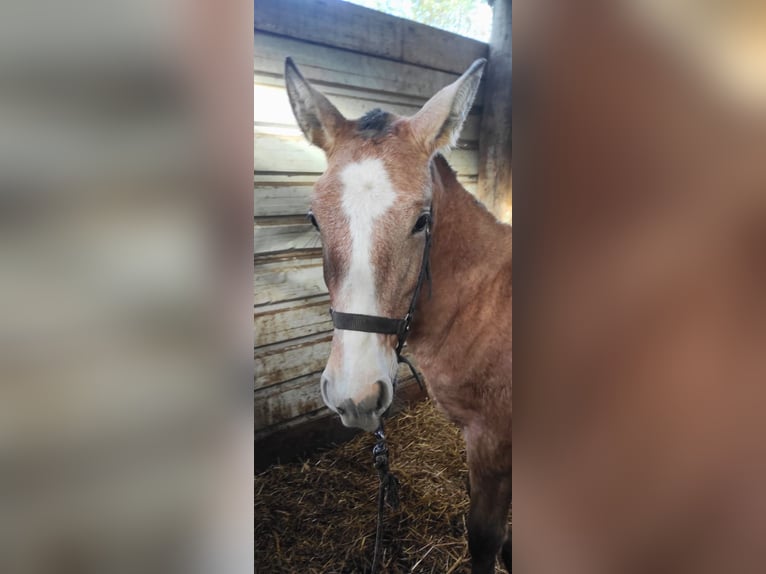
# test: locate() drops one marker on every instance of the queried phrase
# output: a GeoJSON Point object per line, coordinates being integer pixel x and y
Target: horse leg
{"type": "Point", "coordinates": [506, 553]}
{"type": "Point", "coordinates": [487, 517]}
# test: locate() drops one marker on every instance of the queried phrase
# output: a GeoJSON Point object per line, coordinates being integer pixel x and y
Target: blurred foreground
{"type": "Point", "coordinates": [126, 251]}
{"type": "Point", "coordinates": [640, 283]}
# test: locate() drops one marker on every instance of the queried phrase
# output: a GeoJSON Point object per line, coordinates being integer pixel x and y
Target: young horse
{"type": "Point", "coordinates": [385, 201]}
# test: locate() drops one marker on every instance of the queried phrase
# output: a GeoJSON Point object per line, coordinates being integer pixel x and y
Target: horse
{"type": "Point", "coordinates": [393, 218]}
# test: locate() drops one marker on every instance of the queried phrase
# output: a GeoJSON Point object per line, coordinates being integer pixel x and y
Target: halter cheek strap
{"type": "Point", "coordinates": [387, 325]}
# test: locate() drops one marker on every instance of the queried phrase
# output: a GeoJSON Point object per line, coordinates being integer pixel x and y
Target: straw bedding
{"type": "Point", "coordinates": [318, 515]}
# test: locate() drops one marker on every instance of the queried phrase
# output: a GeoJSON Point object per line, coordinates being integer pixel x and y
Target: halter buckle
{"type": "Point", "coordinates": [406, 323]}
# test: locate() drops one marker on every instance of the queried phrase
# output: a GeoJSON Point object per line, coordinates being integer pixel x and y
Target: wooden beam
{"type": "Point", "coordinates": [358, 29]}
{"type": "Point", "coordinates": [495, 140]}
{"type": "Point", "coordinates": [291, 320]}
{"type": "Point", "coordinates": [288, 279]}
{"type": "Point", "coordinates": [438, 49]}
{"type": "Point", "coordinates": [326, 66]}
{"type": "Point", "coordinates": [333, 23]}
{"type": "Point", "coordinates": [288, 360]}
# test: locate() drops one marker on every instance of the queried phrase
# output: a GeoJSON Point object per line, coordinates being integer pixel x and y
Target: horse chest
{"type": "Point", "coordinates": [455, 397]}
{"type": "Point", "coordinates": [469, 378]}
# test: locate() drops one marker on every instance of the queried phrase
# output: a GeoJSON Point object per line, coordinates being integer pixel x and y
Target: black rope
{"type": "Point", "coordinates": [406, 361]}
{"type": "Point", "coordinates": [388, 490]}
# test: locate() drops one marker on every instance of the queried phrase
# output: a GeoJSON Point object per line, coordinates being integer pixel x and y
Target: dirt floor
{"type": "Point", "coordinates": [318, 515]}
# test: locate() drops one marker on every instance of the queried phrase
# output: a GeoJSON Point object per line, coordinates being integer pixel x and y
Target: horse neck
{"type": "Point", "coordinates": [466, 239]}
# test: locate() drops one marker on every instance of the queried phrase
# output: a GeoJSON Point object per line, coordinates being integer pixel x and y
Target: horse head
{"type": "Point", "coordinates": [372, 209]}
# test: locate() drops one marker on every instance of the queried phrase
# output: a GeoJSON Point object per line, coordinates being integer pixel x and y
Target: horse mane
{"type": "Point", "coordinates": [452, 185]}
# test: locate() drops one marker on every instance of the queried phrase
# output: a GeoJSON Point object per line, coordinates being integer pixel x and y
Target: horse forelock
{"type": "Point", "coordinates": [374, 123]}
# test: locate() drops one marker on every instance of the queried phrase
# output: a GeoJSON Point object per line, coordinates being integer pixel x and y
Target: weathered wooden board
{"type": "Point", "coordinates": [335, 23]}
{"type": "Point", "coordinates": [263, 432]}
{"type": "Point", "coordinates": [263, 258]}
{"type": "Point", "coordinates": [339, 90]}
{"type": "Point", "coordinates": [439, 49]}
{"type": "Point", "coordinates": [355, 28]}
{"type": "Point", "coordinates": [299, 400]}
{"type": "Point", "coordinates": [331, 66]}
{"type": "Point", "coordinates": [272, 153]}
{"type": "Point", "coordinates": [288, 280]}
{"type": "Point", "coordinates": [351, 106]}
{"type": "Point", "coordinates": [284, 235]}
{"type": "Point", "coordinates": [293, 153]}
{"type": "Point", "coordinates": [288, 360]}
{"type": "Point", "coordinates": [274, 199]}
{"type": "Point", "coordinates": [271, 107]}
{"type": "Point", "coordinates": [287, 401]}
{"type": "Point", "coordinates": [285, 321]}
{"type": "Point", "coordinates": [261, 179]}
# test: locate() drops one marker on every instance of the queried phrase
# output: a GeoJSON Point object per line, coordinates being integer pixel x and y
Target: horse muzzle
{"type": "Point", "coordinates": [363, 411]}
{"type": "Point", "coordinates": [367, 422]}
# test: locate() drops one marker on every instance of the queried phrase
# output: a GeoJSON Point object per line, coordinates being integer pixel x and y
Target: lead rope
{"type": "Point", "coordinates": [406, 361]}
{"type": "Point", "coordinates": [388, 490]}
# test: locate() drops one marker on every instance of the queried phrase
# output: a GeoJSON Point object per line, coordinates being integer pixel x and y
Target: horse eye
{"type": "Point", "coordinates": [313, 220]}
{"type": "Point", "coordinates": [421, 223]}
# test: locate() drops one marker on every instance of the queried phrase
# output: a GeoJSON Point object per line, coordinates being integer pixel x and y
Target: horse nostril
{"type": "Point", "coordinates": [323, 385]}
{"type": "Point", "coordinates": [341, 410]}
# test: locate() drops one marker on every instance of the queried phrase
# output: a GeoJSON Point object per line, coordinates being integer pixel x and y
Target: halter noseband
{"type": "Point", "coordinates": [387, 325]}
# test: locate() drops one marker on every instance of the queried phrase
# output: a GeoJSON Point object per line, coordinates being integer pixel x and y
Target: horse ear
{"type": "Point", "coordinates": [437, 125]}
{"type": "Point", "coordinates": [319, 120]}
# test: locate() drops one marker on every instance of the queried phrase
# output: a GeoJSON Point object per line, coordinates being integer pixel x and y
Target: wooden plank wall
{"type": "Point", "coordinates": [361, 59]}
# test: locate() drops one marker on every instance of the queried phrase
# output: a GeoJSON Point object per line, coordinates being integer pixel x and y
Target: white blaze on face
{"type": "Point", "coordinates": [367, 194]}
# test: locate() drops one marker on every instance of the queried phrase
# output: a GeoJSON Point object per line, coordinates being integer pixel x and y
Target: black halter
{"type": "Point", "coordinates": [387, 325]}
